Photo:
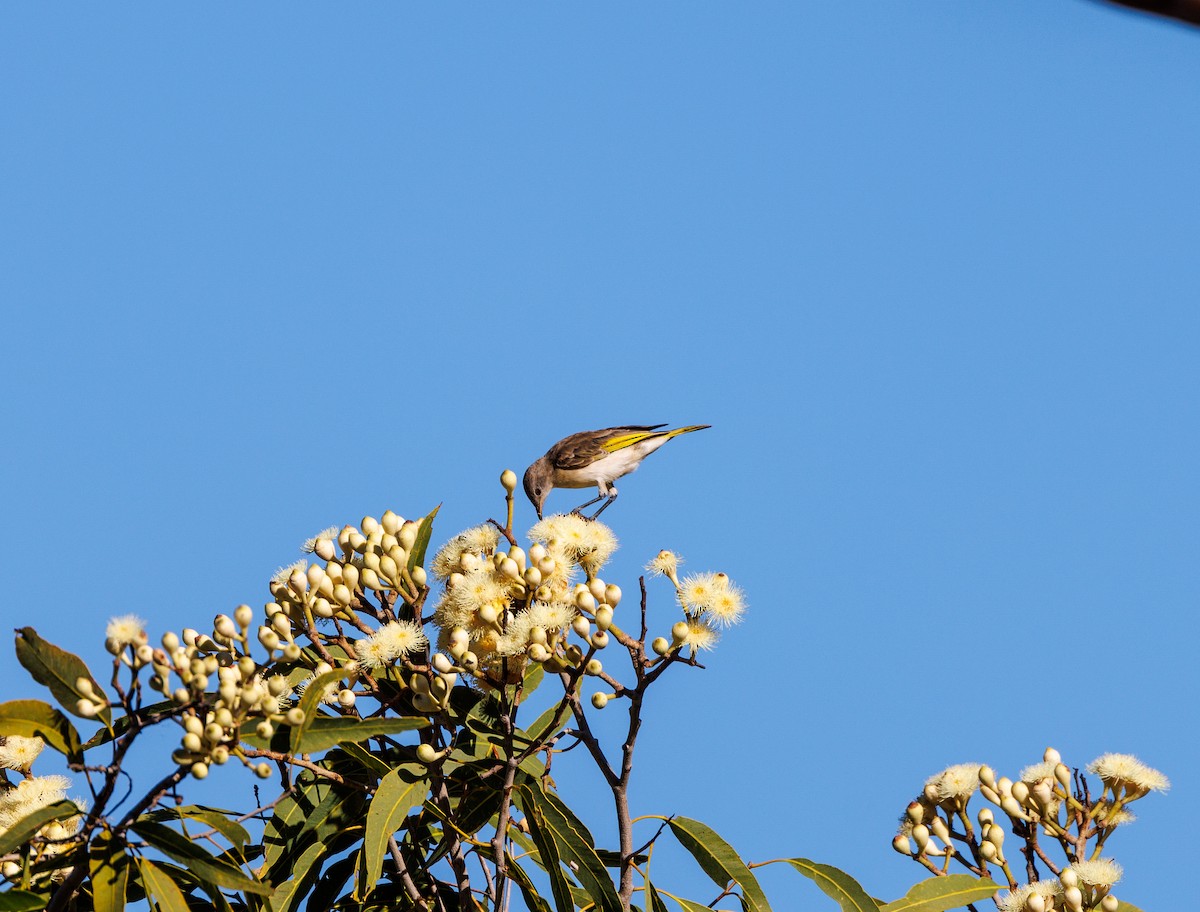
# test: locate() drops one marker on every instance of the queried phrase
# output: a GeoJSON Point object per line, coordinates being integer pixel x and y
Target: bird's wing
{"type": "Point", "coordinates": [582, 449]}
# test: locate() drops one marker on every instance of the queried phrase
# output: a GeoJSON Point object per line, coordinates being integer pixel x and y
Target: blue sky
{"type": "Point", "coordinates": [927, 269]}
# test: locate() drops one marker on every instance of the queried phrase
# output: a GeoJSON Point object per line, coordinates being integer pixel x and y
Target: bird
{"type": "Point", "coordinates": [595, 458]}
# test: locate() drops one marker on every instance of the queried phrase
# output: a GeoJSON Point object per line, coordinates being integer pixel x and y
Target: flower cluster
{"type": "Point", "coordinates": [709, 601]}
{"type": "Point", "coordinates": [1049, 803]}
{"type": "Point", "coordinates": [31, 794]}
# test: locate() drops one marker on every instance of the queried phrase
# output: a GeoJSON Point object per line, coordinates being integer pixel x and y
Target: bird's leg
{"type": "Point", "coordinates": [612, 495]}
{"type": "Point", "coordinates": [605, 491]}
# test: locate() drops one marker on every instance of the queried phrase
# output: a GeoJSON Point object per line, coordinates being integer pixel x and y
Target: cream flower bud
{"type": "Point", "coordinates": [547, 565]}
{"type": "Point", "coordinates": [533, 577]}
{"type": "Point", "coordinates": [191, 743]}
{"type": "Point", "coordinates": [368, 525]}
{"type": "Point", "coordinates": [180, 695]}
{"type": "Point", "coordinates": [1012, 808]}
{"type": "Point", "coordinates": [995, 835]}
{"type": "Point", "coordinates": [1073, 897]}
{"type": "Point", "coordinates": [985, 816]}
{"type": "Point", "coordinates": [612, 594]}
{"type": "Point", "coordinates": [263, 770]}
{"type": "Point", "coordinates": [315, 575]}
{"type": "Point", "coordinates": [1063, 775]}
{"type": "Point", "coordinates": [1020, 791]}
{"type": "Point", "coordinates": [920, 835]}
{"type": "Point", "coordinates": [593, 667]}
{"type": "Point", "coordinates": [508, 478]}
{"type": "Point", "coordinates": [988, 851]}
{"type": "Point", "coordinates": [442, 664]}
{"type": "Point", "coordinates": [584, 601]}
{"type": "Point", "coordinates": [370, 579]}
{"type": "Point", "coordinates": [914, 812]}
{"type": "Point", "coordinates": [264, 729]}
{"type": "Point", "coordinates": [87, 709]}
{"type": "Point", "coordinates": [427, 754]}
{"type": "Point", "coordinates": [600, 639]}
{"type": "Point", "coordinates": [989, 794]}
{"type": "Point", "coordinates": [600, 700]}
{"type": "Point", "coordinates": [581, 625]}
{"type": "Point", "coordinates": [538, 653]}
{"type": "Point", "coordinates": [940, 830]}
{"type": "Point", "coordinates": [243, 615]}
{"type": "Point", "coordinates": [1110, 903]}
{"type": "Point", "coordinates": [189, 636]}
{"type": "Point", "coordinates": [350, 576]}
{"type": "Point", "coordinates": [1004, 786]}
{"type": "Point", "coordinates": [281, 624]}
{"type": "Point", "coordinates": [679, 631]}
{"type": "Point", "coordinates": [144, 654]}
{"type": "Point", "coordinates": [322, 609]}
{"type": "Point", "coordinates": [536, 552]}
{"type": "Point", "coordinates": [223, 626]}
{"type": "Point", "coordinates": [358, 543]}
{"type": "Point", "coordinates": [987, 776]}
{"type": "Point", "coordinates": [510, 569]}
{"type": "Point", "coordinates": [391, 522]}
{"type": "Point", "coordinates": [294, 716]}
{"type": "Point", "coordinates": [1050, 755]}
{"type": "Point", "coordinates": [901, 844]}
{"type": "Point", "coordinates": [388, 568]}
{"type": "Point", "coordinates": [200, 769]}
{"type": "Point", "coordinates": [346, 697]}
{"type": "Point", "coordinates": [419, 577]}
{"type": "Point", "coordinates": [170, 641]}
{"type": "Point", "coordinates": [1035, 903]}
{"type": "Point", "coordinates": [342, 594]}
{"type": "Point", "coordinates": [488, 614]}
{"type": "Point", "coordinates": [596, 587]}
{"type": "Point", "coordinates": [325, 550]}
{"type": "Point", "coordinates": [604, 616]}
{"type": "Point", "coordinates": [193, 725]}
{"type": "Point", "coordinates": [220, 755]}
{"type": "Point", "coordinates": [1068, 878]}
{"type": "Point", "coordinates": [660, 645]}
{"type": "Point", "coordinates": [298, 582]}
{"type": "Point", "coordinates": [407, 536]}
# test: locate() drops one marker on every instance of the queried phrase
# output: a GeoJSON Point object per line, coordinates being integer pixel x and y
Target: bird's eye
{"type": "Point", "coordinates": [537, 490]}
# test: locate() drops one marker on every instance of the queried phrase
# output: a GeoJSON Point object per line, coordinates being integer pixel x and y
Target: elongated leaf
{"type": "Point", "coordinates": [324, 732]}
{"type": "Point", "coordinates": [316, 811]}
{"type": "Point", "coordinates": [330, 886]}
{"type": "Point", "coordinates": [35, 719]}
{"type": "Point", "coordinates": [365, 758]}
{"type": "Point", "coordinates": [296, 885]}
{"type": "Point", "coordinates": [59, 670]}
{"type": "Point", "coordinates": [160, 889]}
{"type": "Point", "coordinates": [837, 885]}
{"type": "Point", "coordinates": [146, 714]}
{"type": "Point", "coordinates": [939, 893]}
{"type": "Point", "coordinates": [22, 901]}
{"type": "Point", "coordinates": [574, 842]}
{"type": "Point", "coordinates": [654, 902]}
{"type": "Point", "coordinates": [401, 790]}
{"type": "Point", "coordinates": [213, 818]}
{"type": "Point", "coordinates": [686, 904]}
{"type": "Point", "coordinates": [533, 900]}
{"type": "Point", "coordinates": [416, 557]}
{"type": "Point", "coordinates": [543, 838]}
{"type": "Point", "coordinates": [26, 828]}
{"type": "Point", "coordinates": [109, 867]}
{"type": "Point", "coordinates": [314, 692]}
{"type": "Point", "coordinates": [719, 860]}
{"type": "Point", "coordinates": [177, 846]}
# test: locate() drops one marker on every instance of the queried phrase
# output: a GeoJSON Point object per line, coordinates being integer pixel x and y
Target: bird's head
{"type": "Point", "coordinates": [538, 484]}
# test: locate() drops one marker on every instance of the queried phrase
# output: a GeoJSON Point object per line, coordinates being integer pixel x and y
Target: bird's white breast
{"type": "Point", "coordinates": [610, 467]}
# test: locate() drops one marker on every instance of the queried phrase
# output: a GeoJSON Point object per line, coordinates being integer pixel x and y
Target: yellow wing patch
{"type": "Point", "coordinates": [620, 441]}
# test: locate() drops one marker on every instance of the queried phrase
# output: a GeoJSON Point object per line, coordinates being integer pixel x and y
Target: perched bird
{"type": "Point", "coordinates": [595, 458]}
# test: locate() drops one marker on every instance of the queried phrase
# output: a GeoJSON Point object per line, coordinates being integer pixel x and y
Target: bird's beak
{"type": "Point", "coordinates": [539, 512]}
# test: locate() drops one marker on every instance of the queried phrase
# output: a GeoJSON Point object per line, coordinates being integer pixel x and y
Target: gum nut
{"type": "Point", "coordinates": [427, 754]}
{"type": "Point", "coordinates": [263, 770]}
{"type": "Point", "coordinates": [679, 631]}
{"type": "Point", "coordinates": [600, 639]}
{"type": "Point", "coordinates": [200, 769]}
{"type": "Point", "coordinates": [419, 577]}
{"type": "Point", "coordinates": [324, 550]}
{"type": "Point", "coordinates": [612, 594]}
{"type": "Point", "coordinates": [407, 536]}
{"type": "Point", "coordinates": [599, 700]}
{"type": "Point", "coordinates": [508, 478]}
{"type": "Point", "coordinates": [291, 652]}
{"type": "Point", "coordinates": [346, 697]}
{"type": "Point", "coordinates": [660, 645]}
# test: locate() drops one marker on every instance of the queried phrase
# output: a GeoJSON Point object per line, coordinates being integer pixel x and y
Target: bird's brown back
{"type": "Point", "coordinates": [586, 447]}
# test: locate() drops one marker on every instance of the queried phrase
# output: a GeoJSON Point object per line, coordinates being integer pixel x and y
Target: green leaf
{"type": "Point", "coordinates": [939, 893]}
{"type": "Point", "coordinates": [365, 758]}
{"type": "Point", "coordinates": [160, 889]}
{"type": "Point", "coordinates": [543, 838]}
{"type": "Point", "coordinates": [324, 732]}
{"type": "Point", "coordinates": [837, 885]}
{"type": "Point", "coordinates": [146, 714]}
{"type": "Point", "coordinates": [654, 902]}
{"type": "Point", "coordinates": [180, 848]}
{"type": "Point", "coordinates": [686, 904]}
{"type": "Point", "coordinates": [533, 677]}
{"type": "Point", "coordinates": [314, 691]}
{"type": "Point", "coordinates": [416, 557]}
{"type": "Point", "coordinates": [573, 841]}
{"type": "Point", "coordinates": [59, 670]}
{"type": "Point", "coordinates": [719, 861]}
{"type": "Point", "coordinates": [35, 719]}
{"type": "Point", "coordinates": [22, 901]}
{"type": "Point", "coordinates": [533, 900]}
{"type": "Point", "coordinates": [26, 828]}
{"type": "Point", "coordinates": [214, 818]}
{"type": "Point", "coordinates": [109, 867]}
{"type": "Point", "coordinates": [1123, 906]}
{"type": "Point", "coordinates": [401, 790]}
{"type": "Point", "coordinates": [299, 880]}
{"type": "Point", "coordinates": [318, 810]}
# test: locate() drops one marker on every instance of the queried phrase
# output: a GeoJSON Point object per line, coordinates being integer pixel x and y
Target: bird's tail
{"type": "Point", "coordinates": [625, 440]}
